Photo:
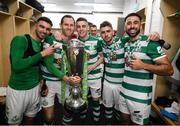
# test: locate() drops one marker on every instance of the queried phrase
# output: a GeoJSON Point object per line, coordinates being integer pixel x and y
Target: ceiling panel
{"type": "Point", "coordinates": [68, 6]}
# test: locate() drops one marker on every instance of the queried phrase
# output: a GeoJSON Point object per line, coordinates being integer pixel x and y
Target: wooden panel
{"type": "Point", "coordinates": [1, 54]}
{"type": "Point", "coordinates": [171, 34]}
{"type": "Point", "coordinates": [12, 5]}
{"type": "Point", "coordinates": [7, 33]}
{"type": "Point", "coordinates": [25, 9]}
{"type": "Point", "coordinates": [22, 26]}
{"type": "Point", "coordinates": [11, 25]}
{"type": "Point", "coordinates": [169, 6]}
{"type": "Point", "coordinates": [36, 13]}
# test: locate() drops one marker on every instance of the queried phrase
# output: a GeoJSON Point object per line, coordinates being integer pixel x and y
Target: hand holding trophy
{"type": "Point", "coordinates": [74, 52]}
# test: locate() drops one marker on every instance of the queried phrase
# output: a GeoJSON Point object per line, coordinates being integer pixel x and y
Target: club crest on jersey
{"type": "Point", "coordinates": [159, 50]}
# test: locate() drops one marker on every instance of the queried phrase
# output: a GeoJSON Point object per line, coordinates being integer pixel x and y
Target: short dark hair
{"type": "Point", "coordinates": [106, 23]}
{"type": "Point", "coordinates": [46, 19]}
{"type": "Point", "coordinates": [93, 26]}
{"type": "Point", "coordinates": [66, 16]}
{"type": "Point", "coordinates": [90, 24]}
{"type": "Point", "coordinates": [132, 14]}
{"type": "Point", "coordinates": [82, 19]}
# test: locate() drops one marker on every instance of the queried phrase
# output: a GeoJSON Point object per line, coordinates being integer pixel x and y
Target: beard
{"type": "Point", "coordinates": [40, 35]}
{"type": "Point", "coordinates": [133, 32]}
{"type": "Point", "coordinates": [109, 41]}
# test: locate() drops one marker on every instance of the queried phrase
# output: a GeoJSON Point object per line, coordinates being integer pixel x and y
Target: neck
{"type": "Point", "coordinates": [110, 42]}
{"type": "Point", "coordinates": [65, 38]}
{"type": "Point", "coordinates": [135, 38]}
{"type": "Point", "coordinates": [84, 38]}
{"type": "Point", "coordinates": [34, 36]}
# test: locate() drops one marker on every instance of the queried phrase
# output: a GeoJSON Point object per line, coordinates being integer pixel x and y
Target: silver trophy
{"type": "Point", "coordinates": [75, 51]}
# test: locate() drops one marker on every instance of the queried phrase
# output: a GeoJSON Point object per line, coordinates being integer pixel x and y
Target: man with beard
{"type": "Point", "coordinates": [113, 50]}
{"type": "Point", "coordinates": [95, 58]}
{"type": "Point", "coordinates": [55, 71]}
{"type": "Point", "coordinates": [23, 90]}
{"type": "Point", "coordinates": [143, 58]}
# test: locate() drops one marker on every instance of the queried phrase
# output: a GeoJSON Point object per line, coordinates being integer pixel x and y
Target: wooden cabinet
{"type": "Point", "coordinates": [6, 34]}
{"type": "Point", "coordinates": [15, 22]}
{"type": "Point", "coordinates": [171, 34]}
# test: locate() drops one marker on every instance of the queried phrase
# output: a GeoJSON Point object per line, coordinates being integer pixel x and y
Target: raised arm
{"type": "Point", "coordinates": [17, 49]}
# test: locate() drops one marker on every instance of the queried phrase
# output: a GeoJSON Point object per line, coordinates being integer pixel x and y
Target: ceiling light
{"type": "Point", "coordinates": [93, 4]}
{"type": "Point", "coordinates": [49, 5]}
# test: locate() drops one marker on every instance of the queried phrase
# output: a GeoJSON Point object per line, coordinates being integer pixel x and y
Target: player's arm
{"type": "Point", "coordinates": [162, 65]}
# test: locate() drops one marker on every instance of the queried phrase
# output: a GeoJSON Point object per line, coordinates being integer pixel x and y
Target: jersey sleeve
{"type": "Point", "coordinates": [49, 60]}
{"type": "Point", "coordinates": [124, 39]}
{"type": "Point", "coordinates": [99, 46]}
{"type": "Point", "coordinates": [155, 51]}
{"type": "Point", "coordinates": [17, 48]}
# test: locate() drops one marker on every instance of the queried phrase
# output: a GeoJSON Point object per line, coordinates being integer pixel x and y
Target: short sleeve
{"type": "Point", "coordinates": [155, 51]}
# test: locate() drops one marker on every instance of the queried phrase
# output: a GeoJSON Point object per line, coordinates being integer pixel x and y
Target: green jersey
{"type": "Point", "coordinates": [93, 48]}
{"type": "Point", "coordinates": [114, 61]}
{"type": "Point", "coordinates": [137, 85]}
{"type": "Point", "coordinates": [25, 74]}
{"type": "Point", "coordinates": [51, 67]}
{"type": "Point", "coordinates": [56, 66]}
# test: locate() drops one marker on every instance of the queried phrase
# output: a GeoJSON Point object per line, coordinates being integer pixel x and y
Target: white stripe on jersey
{"type": "Point", "coordinates": [140, 81]}
{"type": "Point", "coordinates": [142, 55]}
{"type": "Point", "coordinates": [112, 79]}
{"type": "Point", "coordinates": [57, 55]}
{"type": "Point", "coordinates": [159, 57]}
{"type": "Point", "coordinates": [138, 95]}
{"type": "Point", "coordinates": [94, 76]}
{"type": "Point", "coordinates": [93, 60]}
{"type": "Point", "coordinates": [137, 71]}
{"type": "Point", "coordinates": [114, 70]}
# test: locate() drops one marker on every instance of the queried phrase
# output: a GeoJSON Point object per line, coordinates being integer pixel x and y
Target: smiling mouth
{"type": "Point", "coordinates": [42, 34]}
{"type": "Point", "coordinates": [132, 31]}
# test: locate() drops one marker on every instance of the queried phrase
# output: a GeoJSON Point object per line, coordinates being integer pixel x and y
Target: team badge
{"type": "Point", "coordinates": [113, 56]}
{"type": "Point", "coordinates": [59, 61]}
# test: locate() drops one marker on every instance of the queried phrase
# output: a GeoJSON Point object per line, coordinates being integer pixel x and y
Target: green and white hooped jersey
{"type": "Point", "coordinates": [114, 69]}
{"type": "Point", "coordinates": [137, 84]}
{"type": "Point", "coordinates": [57, 58]}
{"type": "Point", "coordinates": [93, 48]}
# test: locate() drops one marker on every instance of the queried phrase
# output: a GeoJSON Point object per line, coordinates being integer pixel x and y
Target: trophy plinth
{"type": "Point", "coordinates": [75, 51]}
{"type": "Point", "coordinates": [74, 103]}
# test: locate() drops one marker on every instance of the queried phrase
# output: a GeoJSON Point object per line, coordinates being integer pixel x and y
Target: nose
{"type": "Point", "coordinates": [106, 34]}
{"type": "Point", "coordinates": [69, 26]}
{"type": "Point", "coordinates": [45, 31]}
{"type": "Point", "coordinates": [132, 26]}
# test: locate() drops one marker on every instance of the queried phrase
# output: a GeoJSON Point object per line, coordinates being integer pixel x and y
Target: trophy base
{"type": "Point", "coordinates": [73, 110]}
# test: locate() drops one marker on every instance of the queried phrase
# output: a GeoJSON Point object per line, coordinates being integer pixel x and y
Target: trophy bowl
{"type": "Point", "coordinates": [75, 51]}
